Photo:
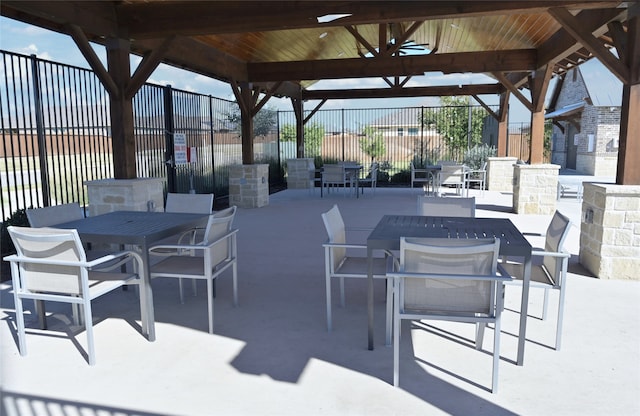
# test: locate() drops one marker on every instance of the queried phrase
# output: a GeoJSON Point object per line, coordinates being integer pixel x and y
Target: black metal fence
{"type": "Point", "coordinates": [56, 135]}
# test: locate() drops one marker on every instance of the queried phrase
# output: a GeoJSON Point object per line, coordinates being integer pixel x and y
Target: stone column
{"type": "Point", "coordinates": [300, 173]}
{"type": "Point", "coordinates": [535, 189]}
{"type": "Point", "coordinates": [610, 230]}
{"type": "Point", "coordinates": [249, 185]}
{"type": "Point", "coordinates": [109, 195]}
{"type": "Point", "coordinates": [500, 173]}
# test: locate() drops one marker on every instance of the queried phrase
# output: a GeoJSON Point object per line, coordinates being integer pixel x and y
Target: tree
{"type": "Point", "coordinates": [453, 123]}
{"type": "Point", "coordinates": [313, 137]}
{"type": "Point", "coordinates": [372, 144]}
{"type": "Point", "coordinates": [263, 122]}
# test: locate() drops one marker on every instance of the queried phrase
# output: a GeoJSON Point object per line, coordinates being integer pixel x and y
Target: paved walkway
{"type": "Point", "coordinates": [273, 356]}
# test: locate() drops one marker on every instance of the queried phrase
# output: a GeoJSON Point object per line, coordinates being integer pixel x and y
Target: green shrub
{"type": "Point", "coordinates": [19, 219]}
{"type": "Point", "coordinates": [477, 155]}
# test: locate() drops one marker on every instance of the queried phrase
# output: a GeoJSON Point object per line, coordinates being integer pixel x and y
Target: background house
{"type": "Point", "coordinates": [586, 122]}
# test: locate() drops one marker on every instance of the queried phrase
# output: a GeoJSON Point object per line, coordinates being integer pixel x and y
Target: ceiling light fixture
{"type": "Point", "coordinates": [323, 35]}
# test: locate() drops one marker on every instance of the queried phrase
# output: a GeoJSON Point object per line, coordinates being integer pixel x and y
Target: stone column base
{"type": "Point", "coordinates": [610, 230]}
{"type": "Point", "coordinates": [500, 173]}
{"type": "Point", "coordinates": [536, 189]}
{"type": "Point", "coordinates": [109, 195]}
{"type": "Point", "coordinates": [249, 186]}
{"type": "Point", "coordinates": [300, 173]}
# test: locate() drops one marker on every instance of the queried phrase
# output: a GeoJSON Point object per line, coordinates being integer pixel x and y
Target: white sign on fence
{"type": "Point", "coordinates": [180, 148]}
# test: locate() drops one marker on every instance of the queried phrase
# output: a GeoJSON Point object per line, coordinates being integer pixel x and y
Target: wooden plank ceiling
{"type": "Point", "coordinates": [297, 43]}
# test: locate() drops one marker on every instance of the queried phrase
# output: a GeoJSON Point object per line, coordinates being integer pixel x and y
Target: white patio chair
{"type": "Point", "coordinates": [477, 176]}
{"type": "Point", "coordinates": [551, 273]}
{"type": "Point", "coordinates": [51, 265]}
{"type": "Point", "coordinates": [449, 280]}
{"type": "Point", "coordinates": [371, 178]}
{"type": "Point", "coordinates": [446, 207]}
{"type": "Point", "coordinates": [51, 216]}
{"type": "Point", "coordinates": [204, 260]}
{"type": "Point", "coordinates": [188, 204]}
{"type": "Point", "coordinates": [451, 175]}
{"type": "Point", "coordinates": [335, 176]}
{"type": "Point", "coordinates": [57, 214]}
{"type": "Point", "coordinates": [339, 264]}
{"type": "Point", "coordinates": [421, 176]}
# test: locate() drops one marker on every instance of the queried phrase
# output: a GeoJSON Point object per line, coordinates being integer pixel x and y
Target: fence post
{"type": "Point", "coordinates": [212, 136]}
{"type": "Point", "coordinates": [168, 134]}
{"type": "Point", "coordinates": [42, 146]}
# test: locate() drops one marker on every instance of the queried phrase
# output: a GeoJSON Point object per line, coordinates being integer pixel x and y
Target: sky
{"type": "Point", "coordinates": [26, 39]}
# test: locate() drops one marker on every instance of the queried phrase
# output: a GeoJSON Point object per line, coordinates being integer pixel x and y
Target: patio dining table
{"type": "Point", "coordinates": [386, 236]}
{"type": "Point", "coordinates": [141, 229]}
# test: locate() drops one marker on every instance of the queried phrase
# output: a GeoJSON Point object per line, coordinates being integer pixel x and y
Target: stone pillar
{"type": "Point", "coordinates": [249, 185]}
{"type": "Point", "coordinates": [535, 189]}
{"type": "Point", "coordinates": [500, 173]}
{"type": "Point", "coordinates": [300, 173]}
{"type": "Point", "coordinates": [109, 195]}
{"type": "Point", "coordinates": [610, 230]}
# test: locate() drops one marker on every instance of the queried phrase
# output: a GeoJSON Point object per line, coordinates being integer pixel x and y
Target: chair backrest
{"type": "Point", "coordinates": [333, 173]}
{"type": "Point", "coordinates": [554, 242]}
{"type": "Point", "coordinates": [337, 234]}
{"type": "Point", "coordinates": [41, 245]}
{"type": "Point", "coordinates": [451, 174]}
{"type": "Point", "coordinates": [447, 207]}
{"type": "Point", "coordinates": [189, 203]}
{"type": "Point", "coordinates": [218, 225]}
{"type": "Point", "coordinates": [435, 257]}
{"type": "Point", "coordinates": [57, 214]}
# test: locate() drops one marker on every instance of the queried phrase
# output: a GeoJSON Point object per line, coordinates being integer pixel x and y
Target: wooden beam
{"type": "Point", "coordinates": [619, 39]}
{"type": "Point", "coordinates": [503, 128]}
{"type": "Point", "coordinates": [539, 84]}
{"type": "Point", "coordinates": [189, 54]}
{"type": "Point", "coordinates": [436, 91]}
{"type": "Point", "coordinates": [512, 88]}
{"type": "Point", "coordinates": [316, 108]}
{"type": "Point", "coordinates": [575, 28]}
{"type": "Point", "coordinates": [490, 61]}
{"type": "Point", "coordinates": [189, 18]}
{"type": "Point", "coordinates": [146, 67]}
{"type": "Point", "coordinates": [94, 62]}
{"type": "Point", "coordinates": [359, 38]}
{"type": "Point", "coordinates": [486, 107]}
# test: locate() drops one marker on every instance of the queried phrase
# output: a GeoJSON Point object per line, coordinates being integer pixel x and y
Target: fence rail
{"type": "Point", "coordinates": [56, 135]}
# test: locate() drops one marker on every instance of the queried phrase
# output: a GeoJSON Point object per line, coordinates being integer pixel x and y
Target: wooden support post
{"type": "Point", "coordinates": [298, 110]}
{"type": "Point", "coordinates": [539, 83]}
{"type": "Point", "coordinates": [503, 128]}
{"type": "Point", "coordinates": [122, 136]}
{"type": "Point", "coordinates": [629, 147]}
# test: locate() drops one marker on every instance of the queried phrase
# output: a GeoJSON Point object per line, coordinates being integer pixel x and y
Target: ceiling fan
{"type": "Point", "coordinates": [399, 34]}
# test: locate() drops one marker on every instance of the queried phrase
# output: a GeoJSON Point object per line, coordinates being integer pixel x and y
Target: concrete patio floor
{"type": "Point", "coordinates": [272, 355]}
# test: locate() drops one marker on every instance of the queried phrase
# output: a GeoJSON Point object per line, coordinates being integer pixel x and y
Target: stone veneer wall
{"type": "Point", "coordinates": [610, 230]}
{"type": "Point", "coordinates": [110, 195]}
{"type": "Point", "coordinates": [536, 189]}
{"type": "Point", "coordinates": [249, 185]}
{"type": "Point", "coordinates": [300, 173]}
{"type": "Point", "coordinates": [500, 173]}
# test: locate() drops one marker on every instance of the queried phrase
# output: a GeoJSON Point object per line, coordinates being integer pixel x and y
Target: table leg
{"type": "Point", "coordinates": [524, 309]}
{"type": "Point", "coordinates": [370, 296]}
{"type": "Point", "coordinates": [146, 298]}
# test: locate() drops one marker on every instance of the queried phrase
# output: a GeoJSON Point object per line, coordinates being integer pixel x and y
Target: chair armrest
{"type": "Point", "coordinates": [112, 260]}
{"type": "Point", "coordinates": [498, 278]}
{"type": "Point", "coordinates": [345, 245]}
{"type": "Point", "coordinates": [186, 247]}
{"type": "Point", "coordinates": [359, 229]}
{"type": "Point", "coordinates": [533, 234]}
{"type": "Point", "coordinates": [542, 253]}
